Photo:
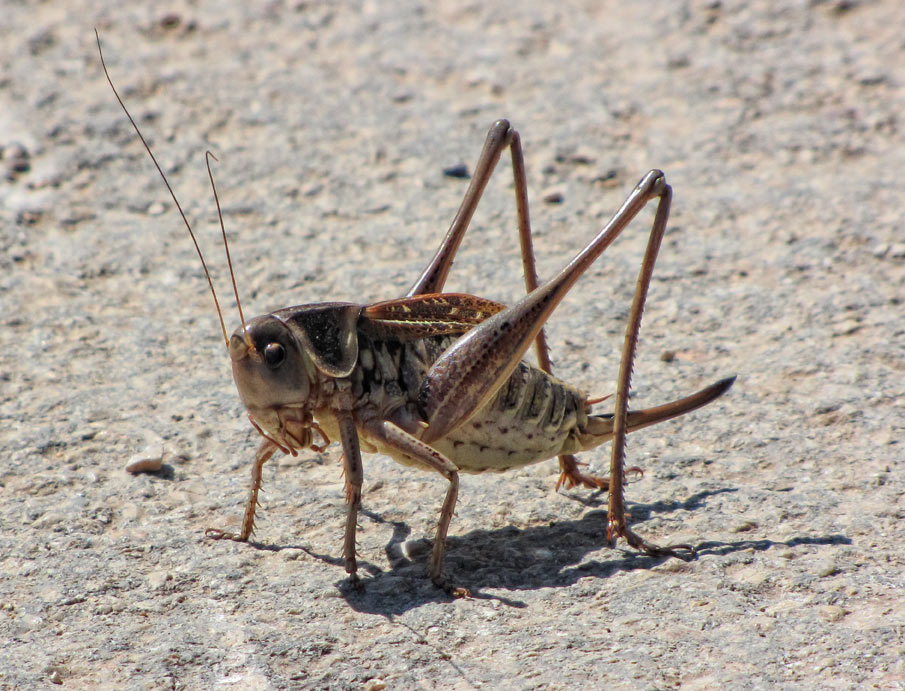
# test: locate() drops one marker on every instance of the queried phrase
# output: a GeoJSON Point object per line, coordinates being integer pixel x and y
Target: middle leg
{"type": "Point", "coordinates": [427, 458]}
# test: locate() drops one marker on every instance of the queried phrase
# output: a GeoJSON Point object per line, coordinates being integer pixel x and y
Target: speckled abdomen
{"type": "Point", "coordinates": [532, 418]}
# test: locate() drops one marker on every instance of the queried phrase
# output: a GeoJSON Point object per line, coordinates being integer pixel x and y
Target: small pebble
{"type": "Point", "coordinates": [158, 579]}
{"type": "Point", "coordinates": [743, 526]}
{"type": "Point", "coordinates": [832, 612]}
{"type": "Point", "coordinates": [145, 462]}
{"type": "Point", "coordinates": [841, 6]}
{"type": "Point", "coordinates": [16, 152]}
{"type": "Point", "coordinates": [16, 161]}
{"type": "Point", "coordinates": [170, 20]}
{"type": "Point", "coordinates": [825, 569]}
{"type": "Point", "coordinates": [897, 251]}
{"type": "Point", "coordinates": [553, 197]}
{"type": "Point", "coordinates": [412, 549]}
{"type": "Point", "coordinates": [460, 170]}
{"type": "Point", "coordinates": [608, 178]}
{"type": "Point", "coordinates": [825, 663]}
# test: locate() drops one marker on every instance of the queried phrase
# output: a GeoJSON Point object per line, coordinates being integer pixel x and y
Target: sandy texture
{"type": "Point", "coordinates": [781, 132]}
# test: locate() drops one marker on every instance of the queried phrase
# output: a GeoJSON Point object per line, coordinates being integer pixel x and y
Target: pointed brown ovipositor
{"type": "Point", "coordinates": [429, 378]}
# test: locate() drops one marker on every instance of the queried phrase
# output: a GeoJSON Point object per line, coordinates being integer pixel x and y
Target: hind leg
{"type": "Point", "coordinates": [432, 279]}
{"type": "Point", "coordinates": [617, 525]}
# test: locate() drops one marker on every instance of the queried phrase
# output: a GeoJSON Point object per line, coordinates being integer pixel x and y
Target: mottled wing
{"type": "Point", "coordinates": [420, 316]}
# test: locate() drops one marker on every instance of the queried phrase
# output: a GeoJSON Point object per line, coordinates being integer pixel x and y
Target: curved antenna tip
{"type": "Point", "coordinates": [166, 182]}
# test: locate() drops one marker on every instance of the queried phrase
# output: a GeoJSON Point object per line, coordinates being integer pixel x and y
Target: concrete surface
{"type": "Point", "coordinates": [779, 126]}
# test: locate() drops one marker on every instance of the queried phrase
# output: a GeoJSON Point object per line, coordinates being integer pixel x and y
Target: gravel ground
{"type": "Point", "coordinates": [779, 126]}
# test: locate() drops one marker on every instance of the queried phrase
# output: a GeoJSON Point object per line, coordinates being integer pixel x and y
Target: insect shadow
{"type": "Point", "coordinates": [511, 558]}
{"type": "Point", "coordinates": [514, 559]}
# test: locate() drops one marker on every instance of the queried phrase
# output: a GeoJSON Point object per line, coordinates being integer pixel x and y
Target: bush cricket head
{"type": "Point", "coordinates": [270, 366]}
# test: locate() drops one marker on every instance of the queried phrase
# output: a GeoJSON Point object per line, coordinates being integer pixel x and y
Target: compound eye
{"type": "Point", "coordinates": [274, 354]}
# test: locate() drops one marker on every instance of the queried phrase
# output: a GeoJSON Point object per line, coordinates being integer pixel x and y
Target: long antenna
{"type": "Point", "coordinates": [207, 157]}
{"type": "Point", "coordinates": [172, 194]}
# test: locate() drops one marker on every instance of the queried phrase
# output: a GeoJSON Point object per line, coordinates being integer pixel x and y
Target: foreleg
{"type": "Point", "coordinates": [265, 451]}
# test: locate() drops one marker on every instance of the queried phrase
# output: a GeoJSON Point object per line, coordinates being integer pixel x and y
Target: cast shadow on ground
{"type": "Point", "coordinates": [511, 558]}
{"type": "Point", "coordinates": [514, 559]}
{"type": "Point", "coordinates": [164, 472]}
